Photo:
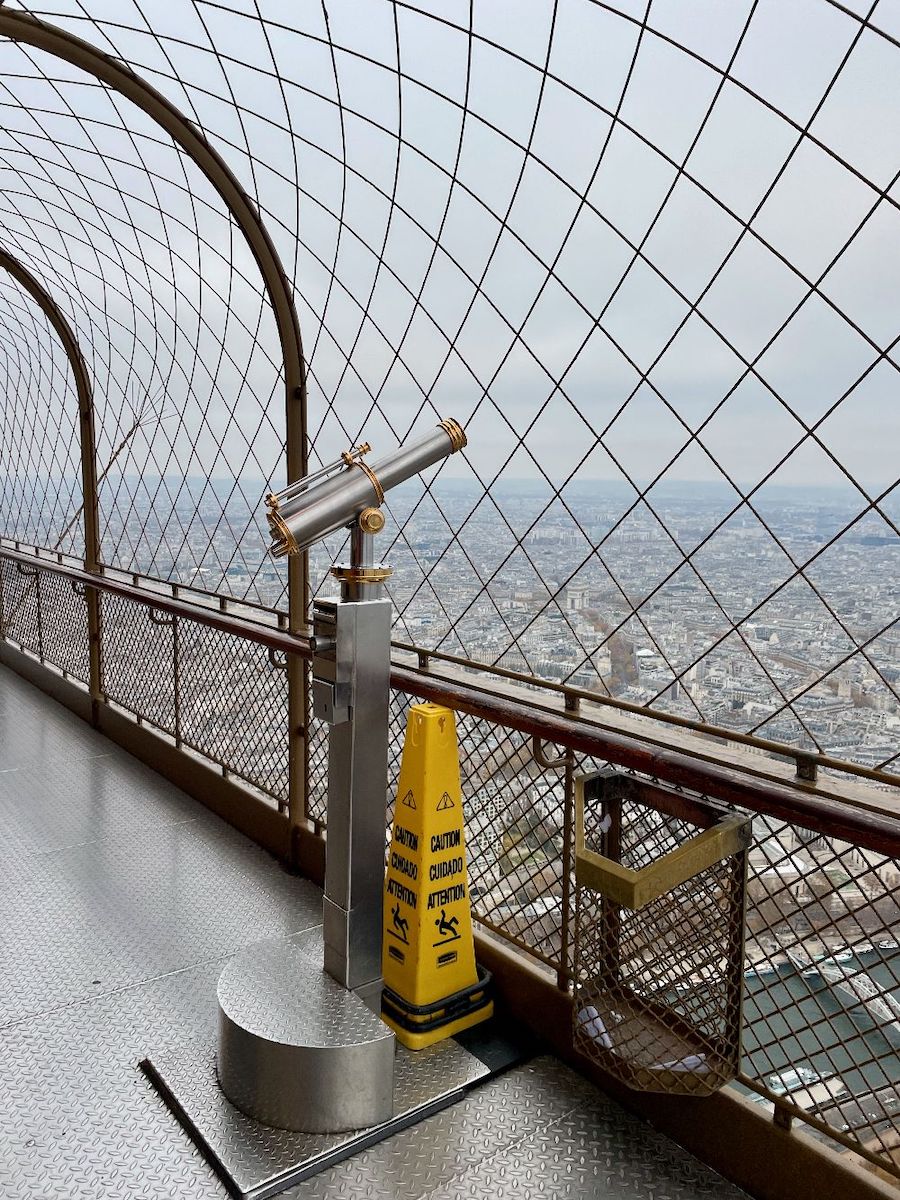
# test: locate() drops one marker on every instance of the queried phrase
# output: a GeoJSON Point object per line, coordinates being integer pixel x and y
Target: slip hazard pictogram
{"type": "Point", "coordinates": [446, 801]}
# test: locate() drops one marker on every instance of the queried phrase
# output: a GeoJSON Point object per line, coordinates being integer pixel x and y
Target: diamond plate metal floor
{"type": "Point", "coordinates": [122, 898]}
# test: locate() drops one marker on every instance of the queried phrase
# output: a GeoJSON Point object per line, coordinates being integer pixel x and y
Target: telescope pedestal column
{"type": "Point", "coordinates": [351, 682]}
{"type": "Point", "coordinates": [295, 1049]}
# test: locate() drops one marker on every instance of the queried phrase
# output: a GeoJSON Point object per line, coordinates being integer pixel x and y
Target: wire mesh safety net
{"type": "Point", "coordinates": [645, 253]}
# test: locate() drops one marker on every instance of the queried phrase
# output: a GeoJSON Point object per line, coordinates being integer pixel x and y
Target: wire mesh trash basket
{"type": "Point", "coordinates": [659, 934]}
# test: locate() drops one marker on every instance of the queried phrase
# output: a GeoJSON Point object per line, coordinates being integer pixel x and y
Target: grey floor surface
{"type": "Point", "coordinates": [121, 900]}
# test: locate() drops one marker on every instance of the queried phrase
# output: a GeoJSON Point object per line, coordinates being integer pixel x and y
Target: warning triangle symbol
{"type": "Point", "coordinates": [445, 802]}
{"type": "Point", "coordinates": [409, 799]}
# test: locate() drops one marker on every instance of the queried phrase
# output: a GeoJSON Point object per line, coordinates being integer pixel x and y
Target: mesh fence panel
{"type": "Point", "coordinates": [21, 610]}
{"type": "Point", "coordinates": [64, 621]}
{"type": "Point", "coordinates": [212, 691]}
{"type": "Point", "coordinates": [823, 980]}
{"type": "Point", "coordinates": [138, 662]}
{"type": "Point", "coordinates": [234, 706]}
{"type": "Point", "coordinates": [40, 481]}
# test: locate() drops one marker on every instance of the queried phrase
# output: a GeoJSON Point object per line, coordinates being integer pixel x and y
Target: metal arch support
{"type": "Point", "coordinates": [24, 28]}
{"type": "Point", "coordinates": [85, 392]}
{"type": "Point", "coordinates": [89, 488]}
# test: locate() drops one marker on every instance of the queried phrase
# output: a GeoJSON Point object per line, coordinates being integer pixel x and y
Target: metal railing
{"type": "Point", "coordinates": [822, 969]}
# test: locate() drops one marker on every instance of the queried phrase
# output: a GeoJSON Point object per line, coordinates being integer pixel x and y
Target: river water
{"type": "Point", "coordinates": [791, 1019]}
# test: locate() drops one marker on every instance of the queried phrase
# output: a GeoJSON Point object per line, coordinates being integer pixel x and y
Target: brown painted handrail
{"type": "Point", "coordinates": [878, 832]}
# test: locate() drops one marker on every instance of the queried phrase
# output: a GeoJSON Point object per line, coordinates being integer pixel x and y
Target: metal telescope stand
{"type": "Point", "coordinates": [305, 1072]}
{"type": "Point", "coordinates": [350, 684]}
{"type": "Point", "coordinates": [298, 1047]}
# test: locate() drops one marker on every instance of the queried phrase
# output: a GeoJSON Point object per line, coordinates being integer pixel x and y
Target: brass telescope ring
{"type": "Point", "coordinates": [373, 479]}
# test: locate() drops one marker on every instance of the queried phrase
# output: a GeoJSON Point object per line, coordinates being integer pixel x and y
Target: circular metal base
{"type": "Point", "coordinates": [296, 1050]}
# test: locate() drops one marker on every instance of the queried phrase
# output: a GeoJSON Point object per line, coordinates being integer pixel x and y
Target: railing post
{"type": "Point", "coordinates": [90, 492]}
{"type": "Point", "coordinates": [298, 617]}
{"type": "Point", "coordinates": [564, 973]}
{"type": "Point", "coordinates": [39, 614]}
{"type": "Point", "coordinates": [176, 680]}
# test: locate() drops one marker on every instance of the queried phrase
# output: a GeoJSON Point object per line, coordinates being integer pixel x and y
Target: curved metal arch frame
{"type": "Point", "coordinates": [84, 391]}
{"type": "Point", "coordinates": [89, 487]}
{"type": "Point", "coordinates": [29, 30]}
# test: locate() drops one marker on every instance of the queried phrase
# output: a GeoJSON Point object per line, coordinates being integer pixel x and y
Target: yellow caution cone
{"type": "Point", "coordinates": [432, 986]}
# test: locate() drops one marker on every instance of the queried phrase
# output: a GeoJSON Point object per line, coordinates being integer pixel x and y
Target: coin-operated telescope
{"type": "Point", "coordinates": [297, 1050]}
{"type": "Point", "coordinates": [350, 682]}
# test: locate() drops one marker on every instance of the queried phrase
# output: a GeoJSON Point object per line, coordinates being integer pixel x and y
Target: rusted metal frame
{"type": "Point", "coordinates": [22, 27]}
{"type": "Point", "coordinates": [868, 829]}
{"type": "Point", "coordinates": [737, 949]}
{"type": "Point", "coordinates": [40, 614]}
{"type": "Point", "coordinates": [806, 762]}
{"type": "Point", "coordinates": [87, 436]}
{"type": "Point", "coordinates": [176, 679]}
{"type": "Point", "coordinates": [283, 663]}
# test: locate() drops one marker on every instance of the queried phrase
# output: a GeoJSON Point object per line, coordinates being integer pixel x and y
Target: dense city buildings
{"type": "Point", "coordinates": [779, 619]}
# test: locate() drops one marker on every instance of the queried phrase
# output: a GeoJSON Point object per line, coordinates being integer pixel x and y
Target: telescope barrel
{"type": "Point", "coordinates": [304, 517]}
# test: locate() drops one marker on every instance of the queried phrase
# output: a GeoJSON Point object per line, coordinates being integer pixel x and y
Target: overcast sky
{"type": "Point", "coordinates": [540, 254]}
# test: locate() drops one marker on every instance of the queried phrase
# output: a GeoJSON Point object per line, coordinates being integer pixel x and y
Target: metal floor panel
{"type": "Point", "coordinates": [122, 899]}
{"type": "Point", "coordinates": [539, 1130]}
{"type": "Point", "coordinates": [256, 1158]}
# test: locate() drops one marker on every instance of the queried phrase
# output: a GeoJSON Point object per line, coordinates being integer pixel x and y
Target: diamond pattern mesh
{"type": "Point", "coordinates": [234, 706]}
{"type": "Point", "coordinates": [656, 291]}
{"type": "Point", "coordinates": [213, 692]}
{"type": "Point", "coordinates": [22, 621]}
{"type": "Point", "coordinates": [64, 622]}
{"type": "Point", "coordinates": [40, 484]}
{"type": "Point", "coordinates": [138, 664]}
{"type": "Point", "coordinates": [823, 979]}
